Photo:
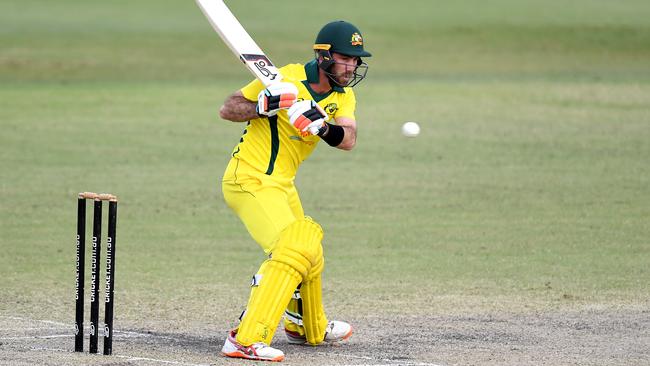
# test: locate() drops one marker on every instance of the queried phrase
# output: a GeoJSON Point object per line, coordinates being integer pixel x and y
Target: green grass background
{"type": "Point", "coordinates": [529, 186]}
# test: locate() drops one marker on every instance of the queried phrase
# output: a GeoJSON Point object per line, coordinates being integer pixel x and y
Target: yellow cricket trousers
{"type": "Point", "coordinates": [266, 205]}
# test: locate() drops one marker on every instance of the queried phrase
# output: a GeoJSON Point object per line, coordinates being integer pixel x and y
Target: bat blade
{"type": "Point", "coordinates": [239, 41]}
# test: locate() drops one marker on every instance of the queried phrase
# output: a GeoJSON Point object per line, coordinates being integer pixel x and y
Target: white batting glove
{"type": "Point", "coordinates": [308, 117]}
{"type": "Point", "coordinates": [276, 97]}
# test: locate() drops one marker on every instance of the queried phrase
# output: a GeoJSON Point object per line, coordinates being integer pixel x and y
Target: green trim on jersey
{"type": "Point", "coordinates": [311, 71]}
{"type": "Point", "coordinates": [277, 149]}
{"type": "Point", "coordinates": [317, 97]}
{"type": "Point", "coordinates": [275, 144]}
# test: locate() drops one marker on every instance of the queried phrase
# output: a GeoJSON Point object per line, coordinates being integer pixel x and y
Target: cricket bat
{"type": "Point", "coordinates": [239, 41]}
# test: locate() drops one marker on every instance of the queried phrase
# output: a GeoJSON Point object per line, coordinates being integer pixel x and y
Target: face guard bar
{"type": "Point", "coordinates": [326, 62]}
{"type": "Point", "coordinates": [358, 74]}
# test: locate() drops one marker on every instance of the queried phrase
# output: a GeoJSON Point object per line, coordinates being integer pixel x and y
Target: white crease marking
{"type": "Point", "coordinates": [126, 333]}
{"type": "Point", "coordinates": [126, 357]}
{"type": "Point", "coordinates": [38, 337]}
{"type": "Point", "coordinates": [389, 362]}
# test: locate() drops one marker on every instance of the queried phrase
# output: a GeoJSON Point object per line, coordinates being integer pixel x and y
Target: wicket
{"type": "Point", "coordinates": [94, 271]}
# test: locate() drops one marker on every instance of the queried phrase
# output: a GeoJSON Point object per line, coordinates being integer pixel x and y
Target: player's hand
{"type": "Point", "coordinates": [308, 117]}
{"type": "Point", "coordinates": [275, 97]}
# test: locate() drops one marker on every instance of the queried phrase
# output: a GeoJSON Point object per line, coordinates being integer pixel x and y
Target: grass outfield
{"type": "Point", "coordinates": [527, 190]}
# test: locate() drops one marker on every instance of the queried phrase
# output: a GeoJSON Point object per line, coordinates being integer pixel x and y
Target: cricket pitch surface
{"type": "Point", "coordinates": [589, 336]}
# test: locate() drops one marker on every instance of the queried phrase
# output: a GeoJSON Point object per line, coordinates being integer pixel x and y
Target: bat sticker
{"type": "Point", "coordinates": [261, 62]}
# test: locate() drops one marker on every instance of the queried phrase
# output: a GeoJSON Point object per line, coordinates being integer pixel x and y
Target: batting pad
{"type": "Point", "coordinates": [296, 254]}
{"type": "Point", "coordinates": [314, 320]}
{"type": "Point", "coordinates": [275, 286]}
{"type": "Point", "coordinates": [299, 246]}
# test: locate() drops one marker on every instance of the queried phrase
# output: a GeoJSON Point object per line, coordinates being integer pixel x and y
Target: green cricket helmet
{"type": "Point", "coordinates": [343, 38]}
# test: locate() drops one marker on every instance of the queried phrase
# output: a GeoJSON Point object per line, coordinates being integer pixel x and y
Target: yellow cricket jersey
{"type": "Point", "coordinates": [272, 145]}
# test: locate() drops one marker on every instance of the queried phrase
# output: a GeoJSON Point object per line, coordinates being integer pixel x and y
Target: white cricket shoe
{"type": "Point", "coordinates": [256, 351]}
{"type": "Point", "coordinates": [336, 331]}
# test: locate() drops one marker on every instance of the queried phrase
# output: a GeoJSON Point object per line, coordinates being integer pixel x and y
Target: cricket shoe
{"type": "Point", "coordinates": [256, 351]}
{"type": "Point", "coordinates": [336, 331]}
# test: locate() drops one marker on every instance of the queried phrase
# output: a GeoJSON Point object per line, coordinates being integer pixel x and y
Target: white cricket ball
{"type": "Point", "coordinates": [410, 129]}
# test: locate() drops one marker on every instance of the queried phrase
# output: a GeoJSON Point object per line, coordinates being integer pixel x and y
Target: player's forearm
{"type": "Point", "coordinates": [349, 139]}
{"type": "Point", "coordinates": [236, 108]}
{"type": "Point", "coordinates": [342, 134]}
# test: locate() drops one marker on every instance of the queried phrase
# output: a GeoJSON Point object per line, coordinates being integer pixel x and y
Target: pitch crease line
{"type": "Point", "coordinates": [124, 333]}
{"type": "Point", "coordinates": [389, 362]}
{"type": "Point", "coordinates": [37, 337]}
{"type": "Point", "coordinates": [128, 358]}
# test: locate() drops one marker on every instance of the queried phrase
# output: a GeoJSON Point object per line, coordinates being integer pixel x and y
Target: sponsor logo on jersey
{"type": "Point", "coordinates": [299, 138]}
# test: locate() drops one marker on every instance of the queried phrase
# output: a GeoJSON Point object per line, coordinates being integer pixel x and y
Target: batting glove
{"type": "Point", "coordinates": [308, 117]}
{"type": "Point", "coordinates": [275, 97]}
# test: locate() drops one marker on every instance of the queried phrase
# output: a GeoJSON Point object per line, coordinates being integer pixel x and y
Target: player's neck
{"type": "Point", "coordinates": [323, 85]}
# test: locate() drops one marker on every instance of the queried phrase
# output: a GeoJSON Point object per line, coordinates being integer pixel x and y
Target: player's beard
{"type": "Point", "coordinates": [350, 77]}
{"type": "Point", "coordinates": [343, 78]}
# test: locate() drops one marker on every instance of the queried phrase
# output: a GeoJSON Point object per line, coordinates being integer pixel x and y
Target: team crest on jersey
{"type": "Point", "coordinates": [356, 40]}
{"type": "Point", "coordinates": [331, 108]}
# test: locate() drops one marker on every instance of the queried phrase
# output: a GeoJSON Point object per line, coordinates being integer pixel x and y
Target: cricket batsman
{"type": "Point", "coordinates": [285, 123]}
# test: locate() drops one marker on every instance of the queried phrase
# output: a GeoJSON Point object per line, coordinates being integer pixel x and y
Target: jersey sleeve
{"type": "Point", "coordinates": [346, 109]}
{"type": "Point", "coordinates": [251, 90]}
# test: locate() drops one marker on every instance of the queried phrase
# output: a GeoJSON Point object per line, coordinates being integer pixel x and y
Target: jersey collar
{"type": "Point", "coordinates": [311, 70]}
